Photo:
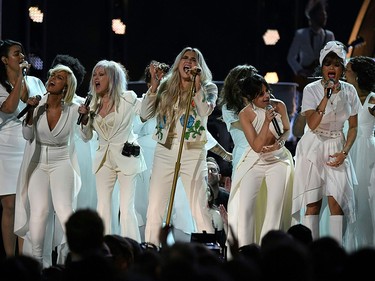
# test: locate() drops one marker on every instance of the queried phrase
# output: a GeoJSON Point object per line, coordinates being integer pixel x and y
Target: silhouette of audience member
{"type": "Point", "coordinates": [282, 258]}
{"type": "Point", "coordinates": [85, 235]}
{"type": "Point", "coordinates": [121, 253]}
{"type": "Point", "coordinates": [328, 259]}
{"type": "Point", "coordinates": [359, 264]}
{"type": "Point", "coordinates": [89, 256]}
{"type": "Point", "coordinates": [20, 268]}
{"type": "Point", "coordinates": [301, 233]}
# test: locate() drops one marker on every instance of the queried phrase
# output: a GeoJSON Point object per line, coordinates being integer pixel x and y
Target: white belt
{"type": "Point", "coordinates": [330, 134]}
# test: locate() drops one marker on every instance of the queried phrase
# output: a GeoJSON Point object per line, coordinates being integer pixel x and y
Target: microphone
{"type": "Point", "coordinates": [86, 104]}
{"type": "Point", "coordinates": [24, 69]}
{"type": "Point", "coordinates": [274, 122]}
{"type": "Point", "coordinates": [27, 107]}
{"type": "Point", "coordinates": [329, 87]}
{"type": "Point", "coordinates": [193, 71]}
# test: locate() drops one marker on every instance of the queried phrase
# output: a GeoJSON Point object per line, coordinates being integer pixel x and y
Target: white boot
{"type": "Point", "coordinates": [312, 222]}
{"type": "Point", "coordinates": [335, 224]}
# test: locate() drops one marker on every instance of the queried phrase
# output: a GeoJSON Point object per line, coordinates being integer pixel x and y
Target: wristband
{"type": "Point", "coordinates": [320, 112]}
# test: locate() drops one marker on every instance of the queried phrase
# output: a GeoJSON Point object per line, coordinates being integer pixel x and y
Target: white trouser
{"type": "Point", "coordinates": [193, 173]}
{"type": "Point", "coordinates": [51, 188]}
{"type": "Point", "coordinates": [105, 181]}
{"type": "Point", "coordinates": [275, 176]}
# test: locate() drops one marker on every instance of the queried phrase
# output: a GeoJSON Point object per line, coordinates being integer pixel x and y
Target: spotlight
{"type": "Point", "coordinates": [271, 37]}
{"type": "Point", "coordinates": [118, 26]}
{"type": "Point", "coordinates": [35, 14]}
{"type": "Point", "coordinates": [36, 61]}
{"type": "Point", "coordinates": [271, 77]}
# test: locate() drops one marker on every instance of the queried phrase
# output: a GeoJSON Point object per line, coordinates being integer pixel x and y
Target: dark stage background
{"type": "Point", "coordinates": [227, 32]}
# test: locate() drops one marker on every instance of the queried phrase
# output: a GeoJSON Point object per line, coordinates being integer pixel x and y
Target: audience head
{"type": "Point", "coordinates": [121, 251]}
{"type": "Point", "coordinates": [301, 233]}
{"type": "Point", "coordinates": [213, 172]}
{"type": "Point", "coordinates": [23, 268]}
{"type": "Point", "coordinates": [85, 233]}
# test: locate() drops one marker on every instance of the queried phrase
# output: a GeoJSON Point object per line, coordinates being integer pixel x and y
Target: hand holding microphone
{"type": "Point", "coordinates": [86, 104]}
{"type": "Point", "coordinates": [329, 86]}
{"type": "Point", "coordinates": [194, 70]}
{"type": "Point", "coordinates": [274, 121]}
{"type": "Point", "coordinates": [29, 106]}
{"type": "Point", "coordinates": [25, 67]}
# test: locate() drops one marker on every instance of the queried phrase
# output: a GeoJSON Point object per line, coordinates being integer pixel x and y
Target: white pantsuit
{"type": "Point", "coordinates": [110, 165]}
{"type": "Point", "coordinates": [193, 172]}
{"type": "Point", "coordinates": [49, 181]}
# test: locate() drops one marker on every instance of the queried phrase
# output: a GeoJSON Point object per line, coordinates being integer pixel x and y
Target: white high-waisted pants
{"type": "Point", "coordinates": [193, 173]}
{"type": "Point", "coordinates": [105, 181]}
{"type": "Point", "coordinates": [51, 188]}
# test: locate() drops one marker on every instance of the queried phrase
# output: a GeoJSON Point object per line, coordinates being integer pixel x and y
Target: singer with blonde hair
{"type": "Point", "coordinates": [168, 103]}
{"type": "Point", "coordinates": [49, 177]}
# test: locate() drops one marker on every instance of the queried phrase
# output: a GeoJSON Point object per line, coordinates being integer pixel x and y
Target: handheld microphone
{"type": "Point", "coordinates": [87, 103]}
{"type": "Point", "coordinates": [329, 87]}
{"type": "Point", "coordinates": [24, 69]}
{"type": "Point", "coordinates": [27, 108]}
{"type": "Point", "coordinates": [274, 122]}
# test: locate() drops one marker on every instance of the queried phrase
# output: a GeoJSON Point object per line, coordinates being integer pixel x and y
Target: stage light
{"type": "Point", "coordinates": [35, 61]}
{"type": "Point", "coordinates": [271, 37]}
{"type": "Point", "coordinates": [35, 14]}
{"type": "Point", "coordinates": [271, 77]}
{"type": "Point", "coordinates": [118, 26]}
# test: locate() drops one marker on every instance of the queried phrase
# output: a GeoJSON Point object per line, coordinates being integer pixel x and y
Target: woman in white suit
{"type": "Point", "coordinates": [111, 114]}
{"type": "Point", "coordinates": [49, 176]}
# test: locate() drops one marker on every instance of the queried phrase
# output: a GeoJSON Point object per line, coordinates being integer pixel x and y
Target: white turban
{"type": "Point", "coordinates": [333, 46]}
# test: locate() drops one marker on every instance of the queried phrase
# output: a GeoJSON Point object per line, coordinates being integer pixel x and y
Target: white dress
{"type": "Point", "coordinates": [238, 136]}
{"type": "Point", "coordinates": [12, 143]}
{"type": "Point", "coordinates": [313, 178]}
{"type": "Point", "coordinates": [363, 156]}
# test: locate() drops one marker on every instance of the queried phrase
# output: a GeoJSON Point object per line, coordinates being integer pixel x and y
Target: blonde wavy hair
{"type": "Point", "coordinates": [170, 90]}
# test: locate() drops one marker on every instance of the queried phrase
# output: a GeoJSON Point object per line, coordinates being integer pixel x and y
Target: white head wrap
{"type": "Point", "coordinates": [333, 46]}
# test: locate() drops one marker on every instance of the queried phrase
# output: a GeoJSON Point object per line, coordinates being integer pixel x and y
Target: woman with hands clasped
{"type": "Point", "coordinates": [323, 169]}
{"type": "Point", "coordinates": [265, 159]}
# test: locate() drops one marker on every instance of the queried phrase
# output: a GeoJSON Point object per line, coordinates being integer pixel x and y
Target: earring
{"type": "Point", "coordinates": [356, 79]}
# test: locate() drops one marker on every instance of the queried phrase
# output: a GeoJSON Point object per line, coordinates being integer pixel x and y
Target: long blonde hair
{"type": "Point", "coordinates": [170, 90]}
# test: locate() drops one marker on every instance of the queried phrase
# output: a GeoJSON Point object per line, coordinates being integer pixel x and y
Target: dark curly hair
{"type": "Point", "coordinates": [73, 63]}
{"type": "Point", "coordinates": [251, 86]}
{"type": "Point", "coordinates": [230, 94]}
{"type": "Point", "coordinates": [364, 67]}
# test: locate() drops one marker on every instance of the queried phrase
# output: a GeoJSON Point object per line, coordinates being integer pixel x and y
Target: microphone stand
{"type": "Point", "coordinates": [178, 163]}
